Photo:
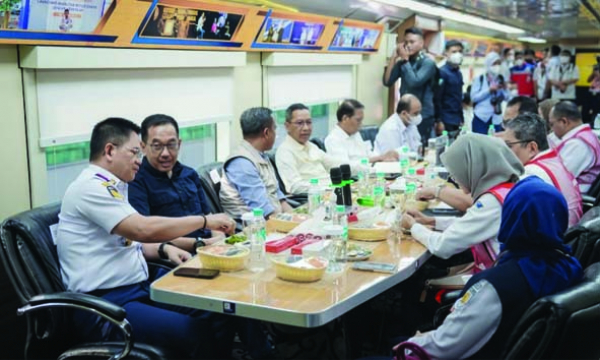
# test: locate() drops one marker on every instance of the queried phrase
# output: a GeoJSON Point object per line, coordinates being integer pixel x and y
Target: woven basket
{"type": "Point", "coordinates": [224, 263]}
{"type": "Point", "coordinates": [291, 273]}
{"type": "Point", "coordinates": [283, 226]}
{"type": "Point", "coordinates": [376, 234]}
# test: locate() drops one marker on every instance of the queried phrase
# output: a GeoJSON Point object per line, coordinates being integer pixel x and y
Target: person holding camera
{"type": "Point", "coordinates": [488, 91]}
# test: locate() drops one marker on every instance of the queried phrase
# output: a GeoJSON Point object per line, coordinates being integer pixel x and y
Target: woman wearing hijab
{"type": "Point", "coordinates": [488, 91]}
{"type": "Point", "coordinates": [534, 263]}
{"type": "Point", "coordinates": [487, 169]}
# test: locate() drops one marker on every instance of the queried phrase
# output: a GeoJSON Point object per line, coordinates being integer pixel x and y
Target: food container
{"type": "Point", "coordinates": [368, 234]}
{"type": "Point", "coordinates": [223, 257]}
{"type": "Point", "coordinates": [295, 268]}
{"type": "Point", "coordinates": [287, 222]}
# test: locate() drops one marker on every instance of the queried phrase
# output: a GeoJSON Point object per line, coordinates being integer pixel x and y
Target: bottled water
{"type": "Point", "coordinates": [315, 195]}
{"type": "Point", "coordinates": [342, 220]}
{"type": "Point", "coordinates": [441, 144]}
{"type": "Point", "coordinates": [336, 245]}
{"type": "Point", "coordinates": [379, 190]}
{"type": "Point", "coordinates": [257, 242]}
{"type": "Point", "coordinates": [491, 130]}
{"type": "Point", "coordinates": [363, 178]}
{"type": "Point", "coordinates": [404, 159]}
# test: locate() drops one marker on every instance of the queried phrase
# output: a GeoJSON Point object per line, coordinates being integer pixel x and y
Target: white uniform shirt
{"type": "Point", "coordinates": [474, 319]}
{"type": "Point", "coordinates": [564, 73]}
{"type": "Point", "coordinates": [298, 163]}
{"type": "Point", "coordinates": [393, 134]}
{"type": "Point", "coordinates": [90, 256]}
{"type": "Point", "coordinates": [576, 154]}
{"type": "Point", "coordinates": [480, 223]}
{"type": "Point", "coordinates": [348, 149]}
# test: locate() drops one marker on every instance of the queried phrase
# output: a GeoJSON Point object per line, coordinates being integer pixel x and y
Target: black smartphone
{"type": "Point", "coordinates": [197, 273]}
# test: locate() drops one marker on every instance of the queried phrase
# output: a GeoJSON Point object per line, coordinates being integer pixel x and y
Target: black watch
{"type": "Point", "coordinates": [199, 243]}
{"type": "Point", "coordinates": [161, 251]}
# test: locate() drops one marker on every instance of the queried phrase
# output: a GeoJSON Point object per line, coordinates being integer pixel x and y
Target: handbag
{"type": "Point", "coordinates": [416, 352]}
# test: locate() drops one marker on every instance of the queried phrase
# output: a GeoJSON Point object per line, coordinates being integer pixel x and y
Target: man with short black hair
{"type": "Point", "coordinates": [345, 142]}
{"type": "Point", "coordinates": [576, 143]}
{"type": "Point", "coordinates": [249, 179]}
{"type": "Point", "coordinates": [165, 187]}
{"type": "Point", "coordinates": [519, 105]}
{"type": "Point", "coordinates": [526, 136]}
{"type": "Point", "coordinates": [299, 160]}
{"type": "Point", "coordinates": [400, 129]}
{"type": "Point", "coordinates": [418, 74]}
{"type": "Point", "coordinates": [103, 244]}
{"type": "Point", "coordinates": [449, 95]}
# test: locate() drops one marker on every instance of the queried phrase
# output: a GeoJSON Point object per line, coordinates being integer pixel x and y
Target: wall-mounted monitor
{"type": "Point", "coordinates": [286, 32]}
{"type": "Point", "coordinates": [354, 38]}
{"type": "Point", "coordinates": [189, 23]}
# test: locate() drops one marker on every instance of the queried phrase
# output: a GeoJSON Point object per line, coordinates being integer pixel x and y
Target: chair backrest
{"type": "Point", "coordinates": [369, 133]}
{"type": "Point", "coordinates": [584, 238]}
{"type": "Point", "coordinates": [594, 190]}
{"type": "Point", "coordinates": [212, 188]}
{"type": "Point", "coordinates": [271, 156]}
{"type": "Point", "coordinates": [29, 257]}
{"type": "Point", "coordinates": [561, 326]}
{"type": "Point", "coordinates": [319, 142]}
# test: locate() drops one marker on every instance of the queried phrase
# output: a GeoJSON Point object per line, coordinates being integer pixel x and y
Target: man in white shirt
{"type": "Point", "coordinates": [564, 77]}
{"type": "Point", "coordinates": [576, 144]}
{"type": "Point", "coordinates": [401, 128]}
{"type": "Point", "coordinates": [299, 160]}
{"type": "Point", "coordinates": [345, 142]}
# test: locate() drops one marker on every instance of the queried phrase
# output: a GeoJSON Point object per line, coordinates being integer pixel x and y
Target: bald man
{"type": "Point", "coordinates": [401, 128]}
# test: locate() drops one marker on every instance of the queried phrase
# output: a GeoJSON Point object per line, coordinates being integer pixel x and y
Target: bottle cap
{"type": "Point", "coordinates": [404, 149]}
{"type": "Point", "coordinates": [314, 181]}
{"type": "Point", "coordinates": [258, 212]}
{"type": "Point", "coordinates": [340, 209]}
{"type": "Point", "coordinates": [364, 161]}
{"type": "Point", "coordinates": [444, 133]}
{"type": "Point", "coordinates": [411, 171]}
{"type": "Point", "coordinates": [411, 187]}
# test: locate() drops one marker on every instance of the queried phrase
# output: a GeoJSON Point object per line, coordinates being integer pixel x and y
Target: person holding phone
{"type": "Point", "coordinates": [103, 244]}
{"type": "Point", "coordinates": [418, 74]}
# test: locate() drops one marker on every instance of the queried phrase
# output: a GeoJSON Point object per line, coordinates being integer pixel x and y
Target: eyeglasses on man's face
{"type": "Point", "coordinates": [301, 124]}
{"type": "Point", "coordinates": [158, 148]}
{"type": "Point", "coordinates": [135, 151]}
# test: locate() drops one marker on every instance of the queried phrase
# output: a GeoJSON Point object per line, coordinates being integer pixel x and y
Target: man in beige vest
{"type": "Point", "coordinates": [249, 177]}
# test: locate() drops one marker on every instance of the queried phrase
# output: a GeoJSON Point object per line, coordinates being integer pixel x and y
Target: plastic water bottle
{"type": "Point", "coordinates": [410, 194]}
{"type": "Point", "coordinates": [404, 159]}
{"type": "Point", "coordinates": [363, 178]}
{"type": "Point", "coordinates": [441, 144]}
{"type": "Point", "coordinates": [379, 190]}
{"type": "Point", "coordinates": [257, 242]}
{"type": "Point", "coordinates": [597, 122]}
{"type": "Point", "coordinates": [491, 130]}
{"type": "Point", "coordinates": [341, 219]}
{"type": "Point", "coordinates": [315, 195]}
{"type": "Point", "coordinates": [334, 233]}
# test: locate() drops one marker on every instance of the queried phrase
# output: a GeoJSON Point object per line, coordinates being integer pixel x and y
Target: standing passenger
{"type": "Point", "coordinates": [449, 94]}
{"type": "Point", "coordinates": [488, 91]}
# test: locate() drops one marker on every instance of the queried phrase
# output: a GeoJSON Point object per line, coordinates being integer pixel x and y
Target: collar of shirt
{"type": "Point", "coordinates": [160, 174]}
{"type": "Point", "coordinates": [451, 67]}
{"type": "Point", "coordinates": [399, 123]}
{"type": "Point", "coordinates": [107, 175]}
{"type": "Point", "coordinates": [572, 132]}
{"type": "Point", "coordinates": [340, 133]}
{"type": "Point", "coordinates": [296, 145]}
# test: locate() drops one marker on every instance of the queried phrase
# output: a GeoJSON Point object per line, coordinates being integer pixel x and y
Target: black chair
{"type": "Point", "coordinates": [211, 189]}
{"type": "Point", "coordinates": [319, 142]}
{"type": "Point", "coordinates": [584, 238]}
{"type": "Point", "coordinates": [592, 197]}
{"type": "Point", "coordinates": [369, 133]}
{"type": "Point", "coordinates": [560, 326]}
{"type": "Point", "coordinates": [294, 200]}
{"type": "Point", "coordinates": [30, 259]}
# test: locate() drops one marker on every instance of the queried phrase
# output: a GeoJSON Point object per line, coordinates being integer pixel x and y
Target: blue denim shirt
{"type": "Point", "coordinates": [153, 193]}
{"type": "Point", "coordinates": [450, 95]}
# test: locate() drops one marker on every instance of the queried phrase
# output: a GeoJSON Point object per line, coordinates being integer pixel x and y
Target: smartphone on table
{"type": "Point", "coordinates": [197, 273]}
{"type": "Point", "coordinates": [375, 266]}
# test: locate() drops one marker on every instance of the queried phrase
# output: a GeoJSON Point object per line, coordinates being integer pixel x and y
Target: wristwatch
{"type": "Point", "coordinates": [161, 251]}
{"type": "Point", "coordinates": [199, 243]}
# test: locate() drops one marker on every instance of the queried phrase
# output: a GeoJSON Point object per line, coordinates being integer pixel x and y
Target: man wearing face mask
{"type": "Point", "coordinates": [508, 61]}
{"type": "Point", "coordinates": [449, 96]}
{"type": "Point", "coordinates": [418, 74]}
{"type": "Point", "coordinates": [564, 77]}
{"type": "Point", "coordinates": [526, 136]}
{"type": "Point", "coordinates": [522, 74]}
{"type": "Point", "coordinates": [487, 93]}
{"type": "Point", "coordinates": [400, 129]}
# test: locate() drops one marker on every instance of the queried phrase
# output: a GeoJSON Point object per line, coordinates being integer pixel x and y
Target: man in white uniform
{"type": "Point", "coordinates": [401, 128]}
{"type": "Point", "coordinates": [299, 160]}
{"type": "Point", "coordinates": [103, 245]}
{"type": "Point", "coordinates": [345, 142]}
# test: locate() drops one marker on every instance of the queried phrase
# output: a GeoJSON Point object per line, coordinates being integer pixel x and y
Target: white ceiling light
{"type": "Point", "coordinates": [532, 40]}
{"type": "Point", "coordinates": [452, 15]}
